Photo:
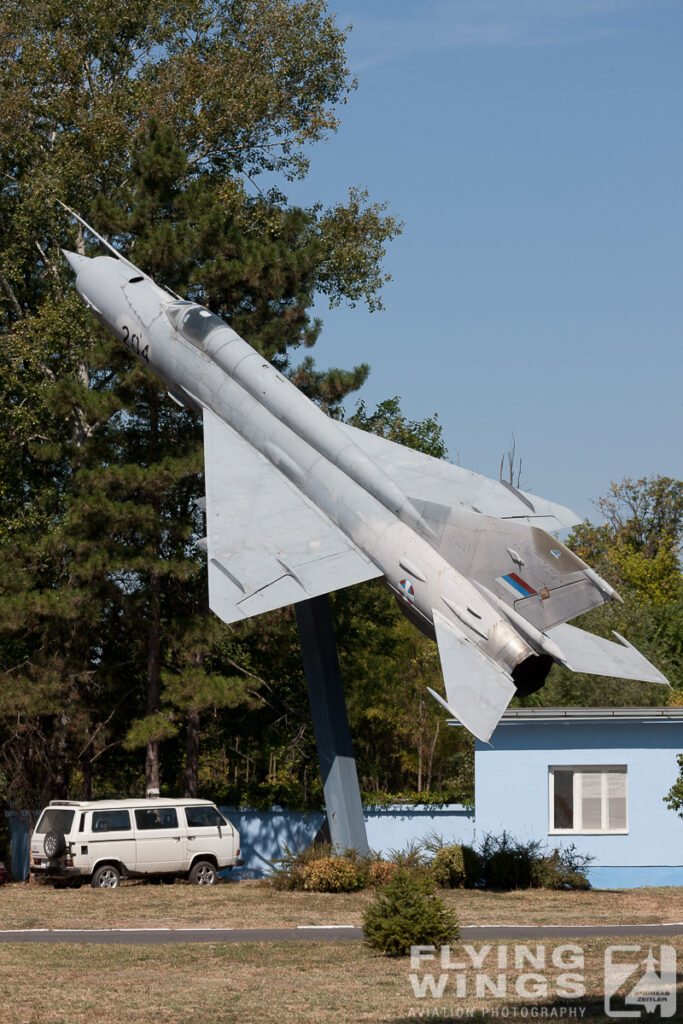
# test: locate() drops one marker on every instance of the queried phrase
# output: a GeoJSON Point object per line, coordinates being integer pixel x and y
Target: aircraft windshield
{"type": "Point", "coordinates": [194, 322]}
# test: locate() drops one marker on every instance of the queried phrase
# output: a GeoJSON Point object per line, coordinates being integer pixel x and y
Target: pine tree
{"type": "Point", "coordinates": [111, 485]}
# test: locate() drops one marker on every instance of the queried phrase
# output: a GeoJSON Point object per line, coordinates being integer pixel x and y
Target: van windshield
{"type": "Point", "coordinates": [55, 819]}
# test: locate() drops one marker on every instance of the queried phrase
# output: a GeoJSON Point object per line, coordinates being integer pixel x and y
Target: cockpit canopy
{"type": "Point", "coordinates": [193, 321]}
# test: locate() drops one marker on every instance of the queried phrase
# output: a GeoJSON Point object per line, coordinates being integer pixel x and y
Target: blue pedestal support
{"type": "Point", "coordinates": [331, 725]}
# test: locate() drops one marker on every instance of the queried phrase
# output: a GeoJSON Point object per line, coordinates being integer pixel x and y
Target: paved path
{"type": "Point", "coordinates": [326, 933]}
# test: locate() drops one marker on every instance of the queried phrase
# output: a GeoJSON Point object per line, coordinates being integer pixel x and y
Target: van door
{"type": "Point", "coordinates": [111, 838]}
{"type": "Point", "coordinates": [208, 832]}
{"type": "Point", "coordinates": [160, 841]}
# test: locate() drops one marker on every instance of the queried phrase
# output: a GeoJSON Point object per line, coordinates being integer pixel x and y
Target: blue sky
{"type": "Point", "coordinates": [533, 149]}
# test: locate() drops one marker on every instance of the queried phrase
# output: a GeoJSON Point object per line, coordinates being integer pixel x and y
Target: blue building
{"type": "Point", "coordinates": [594, 777]}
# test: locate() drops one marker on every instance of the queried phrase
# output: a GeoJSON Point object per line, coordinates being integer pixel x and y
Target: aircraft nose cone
{"type": "Point", "coordinates": [76, 262]}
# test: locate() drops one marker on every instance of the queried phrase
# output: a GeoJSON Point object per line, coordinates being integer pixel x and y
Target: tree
{"type": "Point", "coordinates": [388, 421]}
{"type": "Point", "coordinates": [637, 549]}
{"type": "Point", "coordinates": [153, 120]}
{"type": "Point", "coordinates": [674, 798]}
{"type": "Point", "coordinates": [640, 543]}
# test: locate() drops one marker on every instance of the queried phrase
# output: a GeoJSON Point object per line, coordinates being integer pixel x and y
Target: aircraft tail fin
{"type": "Point", "coordinates": [477, 690]}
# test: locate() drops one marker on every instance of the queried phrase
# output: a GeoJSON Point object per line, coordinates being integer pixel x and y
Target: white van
{"type": "Point", "coordinates": [107, 840]}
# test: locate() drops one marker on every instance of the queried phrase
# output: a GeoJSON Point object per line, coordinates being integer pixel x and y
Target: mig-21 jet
{"type": "Point", "coordinates": [298, 505]}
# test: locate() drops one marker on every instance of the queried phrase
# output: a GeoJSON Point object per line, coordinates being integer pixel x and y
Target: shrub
{"type": "Point", "coordinates": [412, 857]}
{"type": "Point", "coordinates": [448, 867]}
{"type": "Point", "coordinates": [406, 912]}
{"type": "Point", "coordinates": [333, 874]}
{"type": "Point", "coordinates": [380, 871]}
{"type": "Point", "coordinates": [289, 871]}
{"type": "Point", "coordinates": [456, 867]}
{"type": "Point", "coordinates": [507, 862]}
{"type": "Point", "coordinates": [473, 867]}
{"type": "Point", "coordinates": [561, 869]}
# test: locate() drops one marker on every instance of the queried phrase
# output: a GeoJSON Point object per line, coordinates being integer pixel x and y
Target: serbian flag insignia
{"type": "Point", "coordinates": [517, 585]}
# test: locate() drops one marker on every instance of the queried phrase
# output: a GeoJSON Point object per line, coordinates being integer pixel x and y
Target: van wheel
{"type": "Point", "coordinates": [203, 873]}
{"type": "Point", "coordinates": [54, 844]}
{"type": "Point", "coordinates": [106, 877]}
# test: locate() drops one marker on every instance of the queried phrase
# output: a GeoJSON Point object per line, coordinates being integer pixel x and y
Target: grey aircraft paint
{"type": "Point", "coordinates": [298, 505]}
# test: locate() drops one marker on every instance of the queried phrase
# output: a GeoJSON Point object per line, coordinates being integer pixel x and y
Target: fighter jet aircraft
{"type": "Point", "coordinates": [298, 505]}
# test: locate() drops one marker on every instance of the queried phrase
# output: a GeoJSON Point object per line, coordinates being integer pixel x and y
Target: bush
{"type": "Point", "coordinates": [561, 869]}
{"type": "Point", "coordinates": [406, 912]}
{"type": "Point", "coordinates": [333, 874]}
{"type": "Point", "coordinates": [473, 867]}
{"type": "Point", "coordinates": [448, 867]}
{"type": "Point", "coordinates": [507, 862]}
{"type": "Point", "coordinates": [456, 867]}
{"type": "Point", "coordinates": [317, 869]}
{"type": "Point", "coordinates": [412, 857]}
{"type": "Point", "coordinates": [380, 871]}
{"type": "Point", "coordinates": [502, 862]}
{"type": "Point", "coordinates": [290, 871]}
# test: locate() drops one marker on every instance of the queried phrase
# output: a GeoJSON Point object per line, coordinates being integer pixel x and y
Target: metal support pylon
{"type": "Point", "coordinates": [331, 725]}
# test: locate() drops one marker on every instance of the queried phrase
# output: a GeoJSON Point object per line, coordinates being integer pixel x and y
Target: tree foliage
{"type": "Point", "coordinates": [637, 549]}
{"type": "Point", "coordinates": [155, 121]}
{"type": "Point", "coordinates": [640, 543]}
{"type": "Point", "coordinates": [167, 124]}
{"type": "Point", "coordinates": [407, 912]}
{"type": "Point", "coordinates": [389, 421]}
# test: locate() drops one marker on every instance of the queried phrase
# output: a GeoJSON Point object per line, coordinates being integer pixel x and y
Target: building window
{"type": "Point", "coordinates": [588, 799]}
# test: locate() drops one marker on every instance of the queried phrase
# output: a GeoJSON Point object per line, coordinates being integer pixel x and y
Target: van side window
{"type": "Point", "coordinates": [81, 826]}
{"type": "Point", "coordinates": [110, 821]}
{"type": "Point", "coordinates": [202, 816]}
{"type": "Point", "coordinates": [156, 817]}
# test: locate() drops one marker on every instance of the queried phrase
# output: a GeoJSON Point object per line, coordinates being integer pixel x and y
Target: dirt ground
{"type": "Point", "coordinates": [256, 905]}
{"type": "Point", "coordinates": [314, 982]}
{"type": "Point", "coordinates": [305, 983]}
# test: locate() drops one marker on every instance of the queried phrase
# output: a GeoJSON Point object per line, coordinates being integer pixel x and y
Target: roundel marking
{"type": "Point", "coordinates": [407, 590]}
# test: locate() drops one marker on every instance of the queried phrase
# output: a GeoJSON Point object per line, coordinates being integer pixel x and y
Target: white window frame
{"type": "Point", "coordinates": [577, 771]}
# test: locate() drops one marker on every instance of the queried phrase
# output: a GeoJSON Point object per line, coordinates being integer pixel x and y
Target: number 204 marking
{"type": "Point", "coordinates": [133, 342]}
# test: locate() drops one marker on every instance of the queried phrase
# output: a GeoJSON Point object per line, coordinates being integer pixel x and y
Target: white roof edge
{"type": "Point", "coordinates": [576, 714]}
{"type": "Point", "coordinates": [136, 801]}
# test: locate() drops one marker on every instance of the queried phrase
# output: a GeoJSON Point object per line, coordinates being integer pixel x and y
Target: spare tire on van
{"type": "Point", "coordinates": [54, 844]}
